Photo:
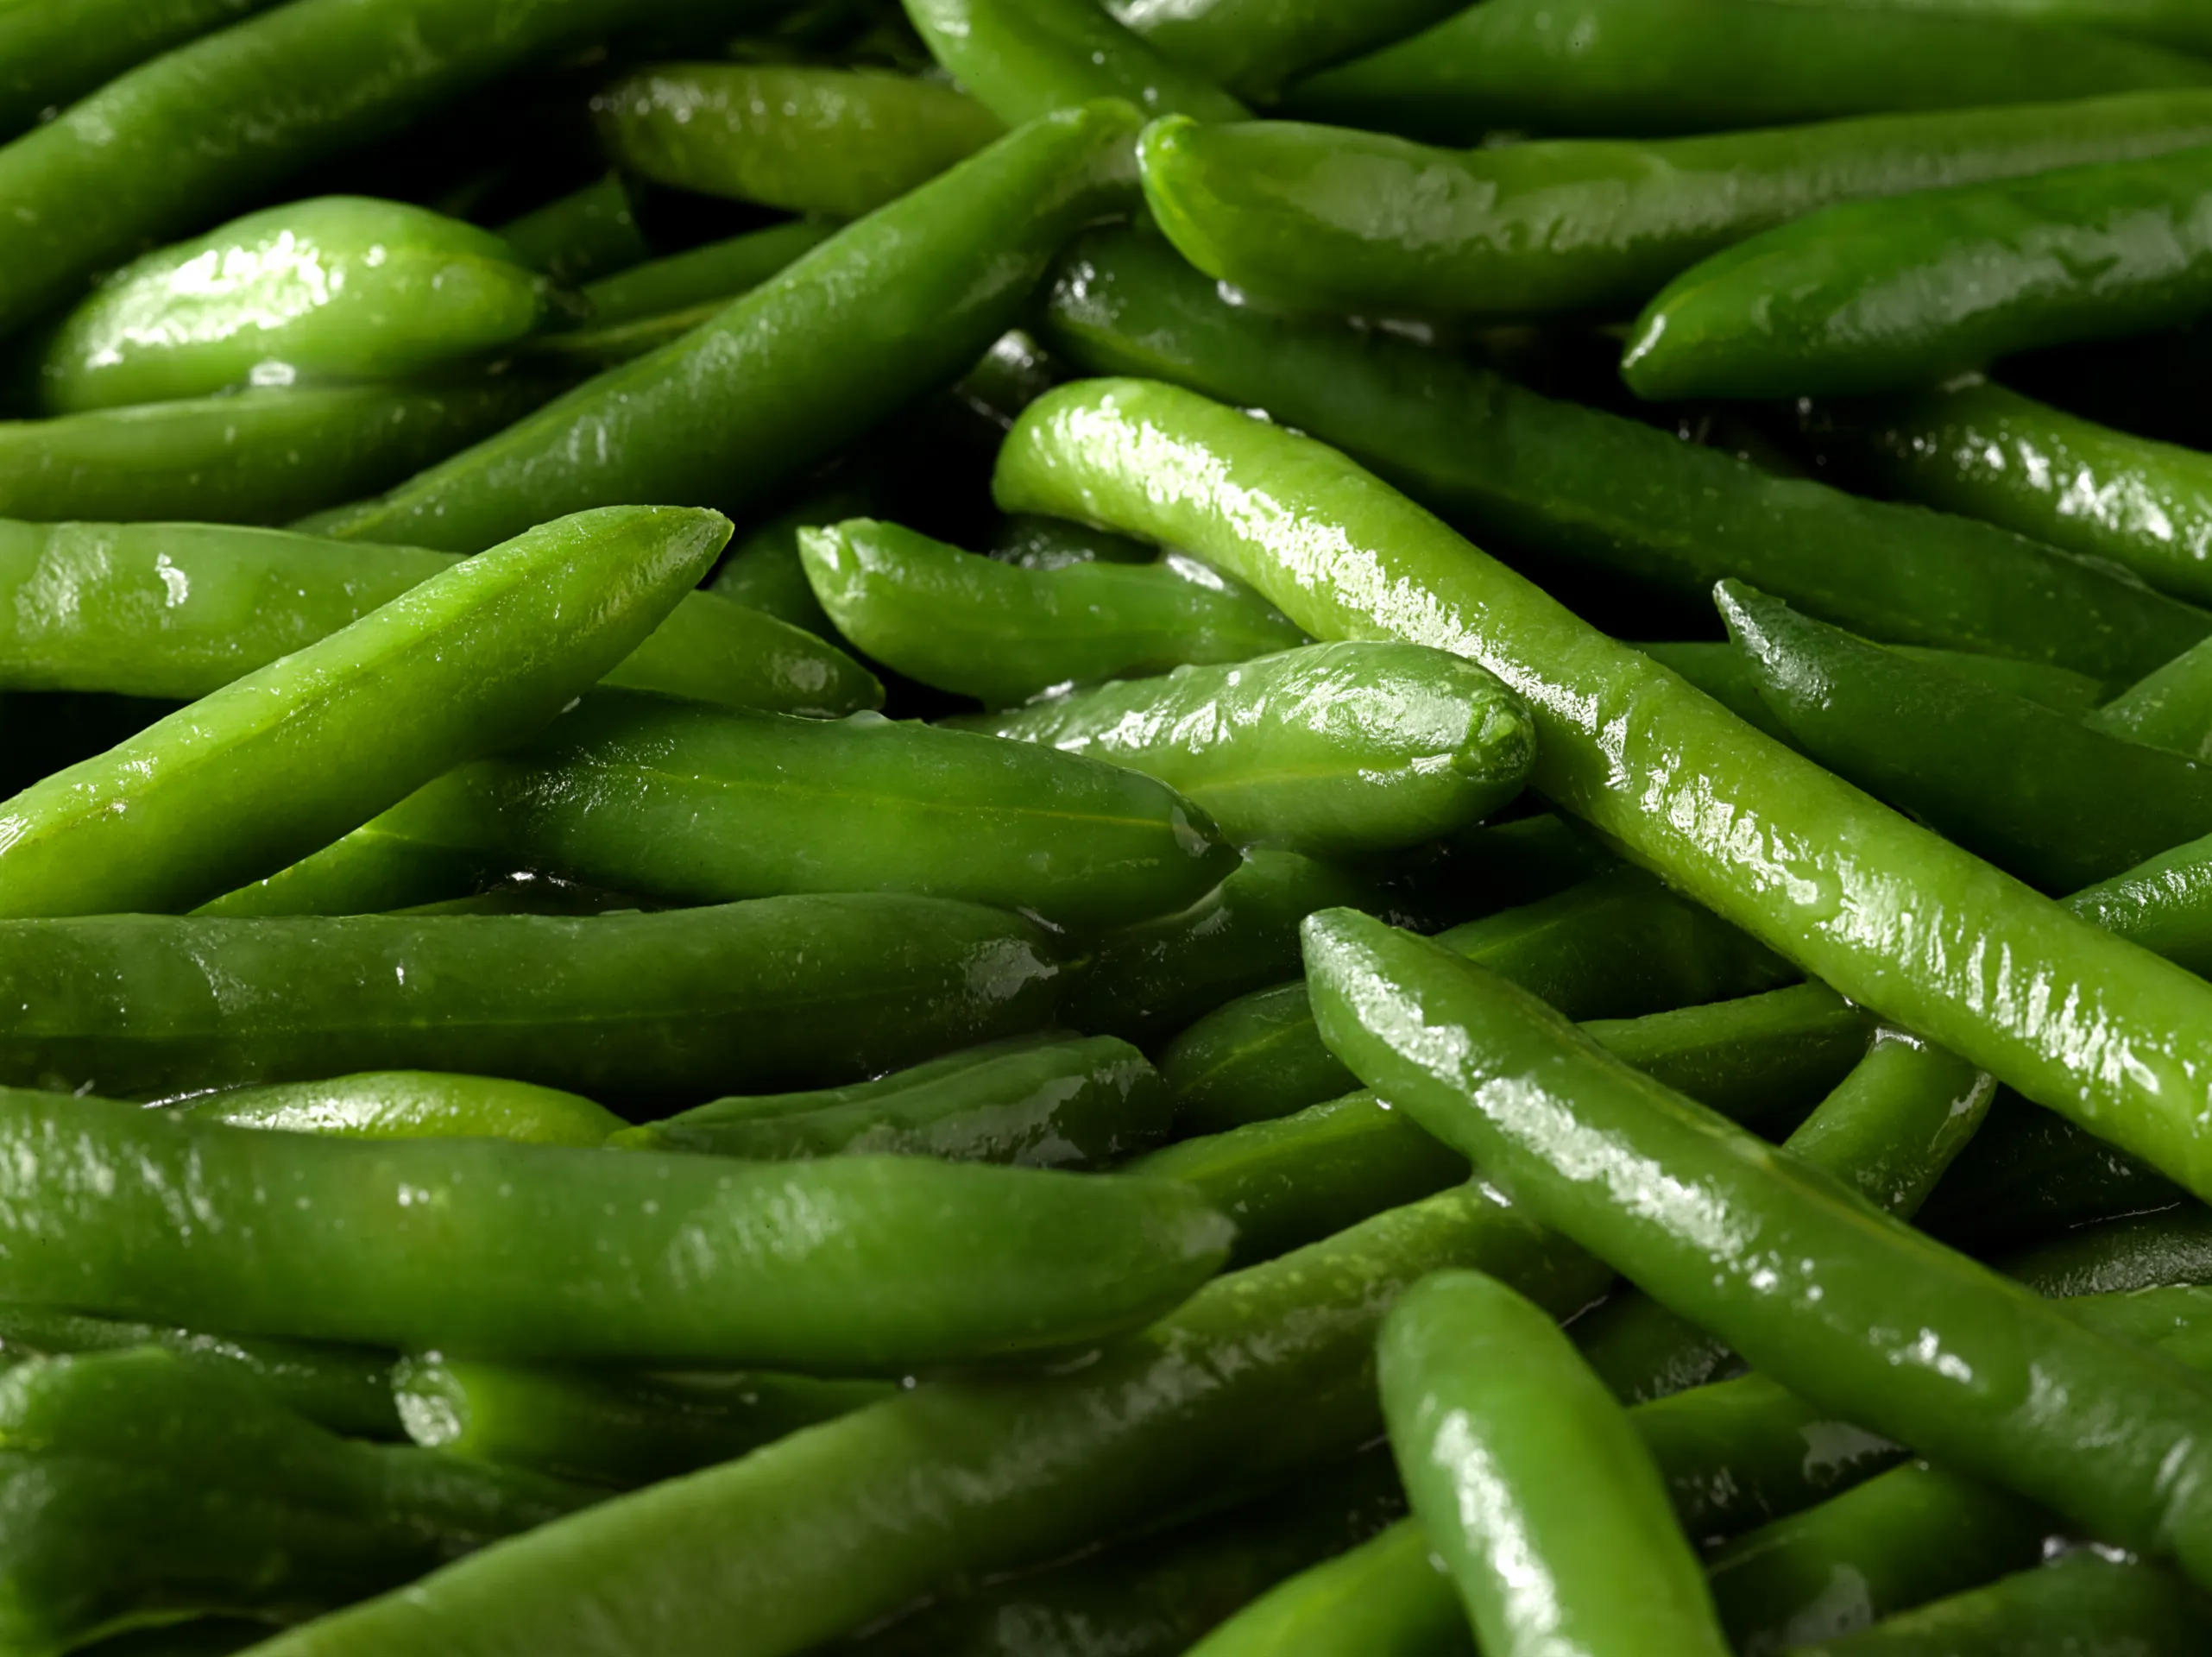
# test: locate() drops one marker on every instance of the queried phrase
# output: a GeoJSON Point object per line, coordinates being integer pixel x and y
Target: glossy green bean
{"type": "Point", "coordinates": [1153, 1596]}
{"type": "Point", "coordinates": [1260, 1375]}
{"type": "Point", "coordinates": [1987, 969]}
{"type": "Point", "coordinates": [2031, 1175]}
{"type": "Point", "coordinates": [719, 270]}
{"type": "Point", "coordinates": [1025, 57]}
{"type": "Point", "coordinates": [1321, 218]}
{"type": "Point", "coordinates": [591, 233]}
{"type": "Point", "coordinates": [1387, 1598]}
{"type": "Point", "coordinates": [2143, 1251]}
{"type": "Point", "coordinates": [347, 1390]}
{"type": "Point", "coordinates": [805, 139]}
{"type": "Point", "coordinates": [1595, 500]}
{"type": "Point", "coordinates": [201, 131]}
{"type": "Point", "coordinates": [989, 630]}
{"type": "Point", "coordinates": [340, 288]}
{"type": "Point", "coordinates": [2082, 1605]}
{"type": "Point", "coordinates": [885, 309]}
{"type": "Point", "coordinates": [1330, 750]}
{"type": "Point", "coordinates": [280, 761]}
{"type": "Point", "coordinates": [680, 802]}
{"type": "Point", "coordinates": [2163, 903]}
{"type": "Point", "coordinates": [2169, 709]}
{"type": "Point", "coordinates": [410, 1105]}
{"type": "Point", "coordinates": [1878, 295]}
{"type": "Point", "coordinates": [1722, 673]}
{"type": "Point", "coordinates": [1078, 1103]}
{"type": "Point", "coordinates": [140, 1489]}
{"type": "Point", "coordinates": [250, 458]}
{"type": "Point", "coordinates": [55, 53]}
{"type": "Point", "coordinates": [1615, 947]}
{"type": "Point", "coordinates": [609, 1427]}
{"type": "Point", "coordinates": [180, 610]}
{"type": "Point", "coordinates": [652, 1011]}
{"type": "Point", "coordinates": [1549, 1512]}
{"type": "Point", "coordinates": [548, 1252]}
{"type": "Point", "coordinates": [1654, 68]}
{"type": "Point", "coordinates": [1977, 448]}
{"type": "Point", "coordinates": [1028, 542]}
{"type": "Point", "coordinates": [1913, 1341]}
{"type": "Point", "coordinates": [2175, 22]}
{"type": "Point", "coordinates": [2034, 791]}
{"type": "Point", "coordinates": [1251, 47]}
{"type": "Point", "coordinates": [764, 571]}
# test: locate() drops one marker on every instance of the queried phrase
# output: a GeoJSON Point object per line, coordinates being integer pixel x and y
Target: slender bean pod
{"type": "Point", "coordinates": [2083, 1605]}
{"type": "Point", "coordinates": [1025, 57]}
{"type": "Point", "coordinates": [1251, 47]}
{"type": "Point", "coordinates": [591, 232]}
{"type": "Point", "coordinates": [719, 270]}
{"type": "Point", "coordinates": [56, 53]}
{"type": "Point", "coordinates": [410, 1105]}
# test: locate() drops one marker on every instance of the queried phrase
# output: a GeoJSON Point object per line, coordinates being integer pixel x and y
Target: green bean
{"type": "Point", "coordinates": [1028, 542]}
{"type": "Point", "coordinates": [1321, 219]}
{"type": "Point", "coordinates": [1151, 1596]}
{"type": "Point", "coordinates": [1025, 57]}
{"type": "Point", "coordinates": [2163, 903]}
{"type": "Point", "coordinates": [542, 1251]}
{"type": "Point", "coordinates": [764, 571]}
{"type": "Point", "coordinates": [336, 289]}
{"type": "Point", "coordinates": [2175, 22]}
{"type": "Point", "coordinates": [56, 53]}
{"type": "Point", "coordinates": [1258, 1376]}
{"type": "Point", "coordinates": [2083, 1605]}
{"type": "Point", "coordinates": [1329, 750]}
{"type": "Point", "coordinates": [588, 234]}
{"type": "Point", "coordinates": [1615, 947]}
{"type": "Point", "coordinates": [989, 630]}
{"type": "Point", "coordinates": [1877, 295]}
{"type": "Point", "coordinates": [885, 309]}
{"type": "Point", "coordinates": [719, 270]}
{"type": "Point", "coordinates": [180, 610]}
{"type": "Point", "coordinates": [2142, 1251]}
{"type": "Point", "coordinates": [1549, 1512]}
{"type": "Point", "coordinates": [347, 1390]}
{"type": "Point", "coordinates": [1884, 911]}
{"type": "Point", "coordinates": [653, 1012]}
{"type": "Point", "coordinates": [2170, 708]}
{"type": "Point", "coordinates": [1723, 673]}
{"type": "Point", "coordinates": [410, 1105]}
{"type": "Point", "coordinates": [2031, 1175]}
{"type": "Point", "coordinates": [678, 801]}
{"type": "Point", "coordinates": [249, 457]}
{"type": "Point", "coordinates": [805, 139]}
{"type": "Point", "coordinates": [2033, 791]}
{"type": "Point", "coordinates": [1251, 47]}
{"type": "Point", "coordinates": [603, 1427]}
{"type": "Point", "coordinates": [473, 658]}
{"type": "Point", "coordinates": [1073, 1104]}
{"type": "Point", "coordinates": [1909, 1339]}
{"type": "Point", "coordinates": [202, 130]}
{"type": "Point", "coordinates": [1387, 1598]}
{"type": "Point", "coordinates": [1639, 68]}
{"type": "Point", "coordinates": [139, 1488]}
{"type": "Point", "coordinates": [1909, 1536]}
{"type": "Point", "coordinates": [1587, 491]}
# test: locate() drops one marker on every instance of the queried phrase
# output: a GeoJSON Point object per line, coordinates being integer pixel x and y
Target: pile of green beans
{"type": "Point", "coordinates": [1036, 828]}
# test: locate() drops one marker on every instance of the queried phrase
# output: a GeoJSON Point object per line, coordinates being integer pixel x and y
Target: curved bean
{"type": "Point", "coordinates": [1251, 47]}
{"type": "Point", "coordinates": [1026, 58]}
{"type": "Point", "coordinates": [410, 1105]}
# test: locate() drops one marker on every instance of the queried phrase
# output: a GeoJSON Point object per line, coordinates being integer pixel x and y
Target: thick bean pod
{"type": "Point", "coordinates": [1330, 750]}
{"type": "Point", "coordinates": [2033, 791]}
{"type": "Point", "coordinates": [1321, 218]}
{"type": "Point", "coordinates": [806, 140]}
{"type": "Point", "coordinates": [1548, 1511]}
{"type": "Point", "coordinates": [1026, 58]}
{"type": "Point", "coordinates": [2082, 1605]}
{"type": "Point", "coordinates": [1913, 1341]}
{"type": "Point", "coordinates": [1599, 498]}
{"type": "Point", "coordinates": [1003, 633]}
{"type": "Point", "coordinates": [1262, 1374]}
{"type": "Point", "coordinates": [341, 288]}
{"type": "Point", "coordinates": [676, 801]}
{"type": "Point", "coordinates": [1886, 913]}
{"type": "Point", "coordinates": [538, 1251]}
{"type": "Point", "coordinates": [641, 1010]}
{"type": "Point", "coordinates": [1054, 1103]}
{"type": "Point", "coordinates": [883, 312]}
{"type": "Point", "coordinates": [609, 1426]}
{"type": "Point", "coordinates": [1652, 68]}
{"type": "Point", "coordinates": [180, 610]}
{"type": "Point", "coordinates": [410, 1105]}
{"type": "Point", "coordinates": [1875, 295]}
{"type": "Point", "coordinates": [261, 771]}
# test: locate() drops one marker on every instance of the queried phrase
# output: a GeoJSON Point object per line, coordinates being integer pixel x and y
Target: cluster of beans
{"type": "Point", "coordinates": [776, 878]}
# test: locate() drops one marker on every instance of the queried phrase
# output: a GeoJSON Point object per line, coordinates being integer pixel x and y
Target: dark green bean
{"type": "Point", "coordinates": [609, 1426]}
{"type": "Point", "coordinates": [2031, 1175]}
{"type": "Point", "coordinates": [2169, 709]}
{"type": "Point", "coordinates": [55, 53]}
{"type": "Point", "coordinates": [1026, 58]}
{"type": "Point", "coordinates": [1652, 68]}
{"type": "Point", "coordinates": [680, 802]}
{"type": "Point", "coordinates": [588, 234]}
{"type": "Point", "coordinates": [719, 270]}
{"type": "Point", "coordinates": [636, 1011]}
{"type": "Point", "coordinates": [2176, 22]}
{"type": "Point", "coordinates": [1722, 672]}
{"type": "Point", "coordinates": [2082, 1605]}
{"type": "Point", "coordinates": [1251, 47]}
{"type": "Point", "coordinates": [2140, 1252]}
{"type": "Point", "coordinates": [1584, 491]}
{"type": "Point", "coordinates": [1076, 1103]}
